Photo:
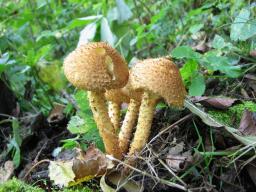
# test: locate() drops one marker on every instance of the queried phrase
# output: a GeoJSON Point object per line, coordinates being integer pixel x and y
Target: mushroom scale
{"type": "Point", "coordinates": [158, 78]}
{"type": "Point", "coordinates": [97, 67]}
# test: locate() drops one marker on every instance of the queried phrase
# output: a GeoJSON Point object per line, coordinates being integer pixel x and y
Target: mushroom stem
{"type": "Point", "coordinates": [146, 113]}
{"type": "Point", "coordinates": [128, 124]}
{"type": "Point", "coordinates": [114, 114]}
{"type": "Point", "coordinates": [106, 129]}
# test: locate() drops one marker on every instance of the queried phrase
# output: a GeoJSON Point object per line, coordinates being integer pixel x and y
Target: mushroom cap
{"type": "Point", "coordinates": [161, 77]}
{"type": "Point", "coordinates": [96, 67]}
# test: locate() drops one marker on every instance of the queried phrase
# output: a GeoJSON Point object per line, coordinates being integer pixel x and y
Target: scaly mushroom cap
{"type": "Point", "coordinates": [96, 67]}
{"type": "Point", "coordinates": [161, 77]}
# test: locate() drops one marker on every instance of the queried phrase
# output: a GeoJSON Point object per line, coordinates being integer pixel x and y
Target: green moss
{"type": "Point", "coordinates": [232, 116]}
{"type": "Point", "coordinates": [15, 185]}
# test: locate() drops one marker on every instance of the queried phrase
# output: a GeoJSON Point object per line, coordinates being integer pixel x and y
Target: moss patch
{"type": "Point", "coordinates": [232, 116]}
{"type": "Point", "coordinates": [15, 185]}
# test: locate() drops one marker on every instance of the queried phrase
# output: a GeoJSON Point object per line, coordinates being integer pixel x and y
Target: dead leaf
{"type": "Point", "coordinates": [250, 76]}
{"type": "Point", "coordinates": [6, 171]}
{"type": "Point", "coordinates": [216, 102]}
{"type": "Point", "coordinates": [56, 114]}
{"type": "Point", "coordinates": [178, 160]}
{"type": "Point", "coordinates": [123, 182]}
{"type": "Point", "coordinates": [253, 53]}
{"type": "Point", "coordinates": [201, 47]}
{"type": "Point", "coordinates": [248, 123]}
{"type": "Point", "coordinates": [85, 166]}
{"type": "Point", "coordinates": [61, 172]}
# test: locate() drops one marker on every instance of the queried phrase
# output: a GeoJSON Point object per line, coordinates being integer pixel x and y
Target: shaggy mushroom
{"type": "Point", "coordinates": [115, 98]}
{"type": "Point", "coordinates": [97, 67]}
{"type": "Point", "coordinates": [130, 118]}
{"type": "Point", "coordinates": [158, 78]}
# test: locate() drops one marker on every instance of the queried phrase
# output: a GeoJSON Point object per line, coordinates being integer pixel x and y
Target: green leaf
{"type": "Point", "coordinates": [188, 70]}
{"type": "Point", "coordinates": [195, 28]}
{"type": "Point", "coordinates": [77, 125]}
{"type": "Point", "coordinates": [218, 42]}
{"type": "Point", "coordinates": [87, 34]}
{"type": "Point", "coordinates": [243, 27]}
{"type": "Point", "coordinates": [16, 131]}
{"type": "Point", "coordinates": [106, 33]}
{"type": "Point", "coordinates": [124, 12]}
{"type": "Point", "coordinates": [185, 52]}
{"type": "Point", "coordinates": [78, 22]}
{"type": "Point", "coordinates": [197, 86]}
{"type": "Point", "coordinates": [221, 63]}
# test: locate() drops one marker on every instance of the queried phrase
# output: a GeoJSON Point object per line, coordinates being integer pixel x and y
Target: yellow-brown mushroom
{"type": "Point", "coordinates": [130, 118]}
{"type": "Point", "coordinates": [115, 98]}
{"type": "Point", "coordinates": [97, 67]}
{"type": "Point", "coordinates": [158, 78]}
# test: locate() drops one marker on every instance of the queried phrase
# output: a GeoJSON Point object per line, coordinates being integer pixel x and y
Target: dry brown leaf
{"type": "Point", "coordinates": [85, 165]}
{"type": "Point", "coordinates": [216, 102]}
{"type": "Point", "coordinates": [6, 171]}
{"type": "Point", "coordinates": [178, 160]}
{"type": "Point", "coordinates": [253, 53]}
{"type": "Point", "coordinates": [56, 114]}
{"type": "Point", "coordinates": [248, 123]}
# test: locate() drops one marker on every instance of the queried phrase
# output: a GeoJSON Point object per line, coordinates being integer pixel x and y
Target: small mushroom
{"type": "Point", "coordinates": [158, 78]}
{"type": "Point", "coordinates": [97, 67]}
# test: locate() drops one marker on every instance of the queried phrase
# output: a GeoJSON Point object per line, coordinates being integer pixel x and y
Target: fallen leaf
{"type": "Point", "coordinates": [216, 102]}
{"type": "Point", "coordinates": [85, 166]}
{"type": "Point", "coordinates": [253, 53]}
{"type": "Point", "coordinates": [56, 114]}
{"type": "Point", "coordinates": [122, 181]}
{"type": "Point", "coordinates": [201, 47]}
{"type": "Point", "coordinates": [250, 76]}
{"type": "Point", "coordinates": [178, 160]}
{"type": "Point", "coordinates": [61, 172]}
{"type": "Point", "coordinates": [248, 123]}
{"type": "Point", "coordinates": [6, 171]}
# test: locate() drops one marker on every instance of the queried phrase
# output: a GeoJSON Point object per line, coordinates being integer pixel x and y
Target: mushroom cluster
{"type": "Point", "coordinates": [103, 72]}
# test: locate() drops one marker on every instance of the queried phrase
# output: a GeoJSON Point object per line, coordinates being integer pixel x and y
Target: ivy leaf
{"type": "Point", "coordinates": [76, 125]}
{"type": "Point", "coordinates": [243, 27]}
{"type": "Point", "coordinates": [188, 69]}
{"type": "Point", "coordinates": [197, 86]}
{"type": "Point", "coordinates": [185, 52]}
{"type": "Point", "coordinates": [195, 28]}
{"type": "Point", "coordinates": [221, 63]}
{"type": "Point", "coordinates": [218, 42]}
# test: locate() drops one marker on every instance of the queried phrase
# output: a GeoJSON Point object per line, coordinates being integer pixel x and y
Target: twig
{"type": "Point", "coordinates": [171, 126]}
{"type": "Point", "coordinates": [39, 152]}
{"type": "Point", "coordinates": [35, 165]}
{"type": "Point", "coordinates": [171, 184]}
